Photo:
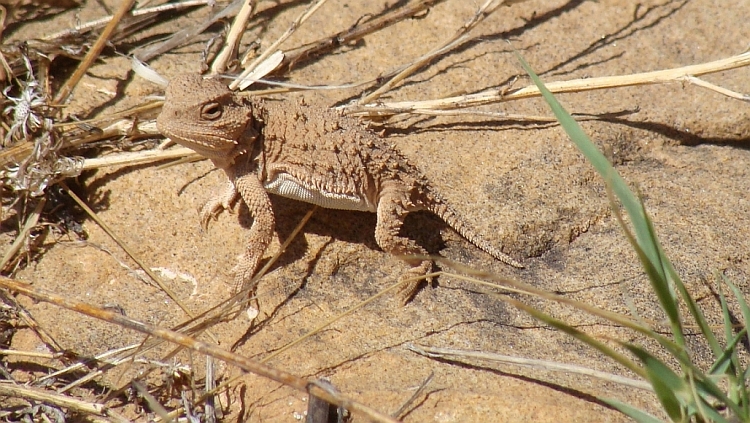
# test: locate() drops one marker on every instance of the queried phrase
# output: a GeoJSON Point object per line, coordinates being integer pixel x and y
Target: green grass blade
{"type": "Point", "coordinates": [725, 362]}
{"type": "Point", "coordinates": [742, 387]}
{"type": "Point", "coordinates": [581, 336]}
{"type": "Point", "coordinates": [728, 356]}
{"type": "Point", "coordinates": [743, 375]}
{"type": "Point", "coordinates": [644, 235]}
{"type": "Point", "coordinates": [692, 306]}
{"type": "Point", "coordinates": [669, 387]}
{"type": "Point", "coordinates": [744, 309]}
{"type": "Point", "coordinates": [706, 388]}
{"type": "Point", "coordinates": [660, 286]}
{"type": "Point", "coordinates": [601, 164]}
{"type": "Point", "coordinates": [632, 412]}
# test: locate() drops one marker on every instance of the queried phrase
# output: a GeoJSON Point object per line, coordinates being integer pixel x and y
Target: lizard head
{"type": "Point", "coordinates": [205, 116]}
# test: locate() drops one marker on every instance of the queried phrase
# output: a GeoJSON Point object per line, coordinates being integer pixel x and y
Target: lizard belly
{"type": "Point", "coordinates": [288, 186]}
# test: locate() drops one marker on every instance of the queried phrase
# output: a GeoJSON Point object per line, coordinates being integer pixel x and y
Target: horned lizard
{"type": "Point", "coordinates": [306, 153]}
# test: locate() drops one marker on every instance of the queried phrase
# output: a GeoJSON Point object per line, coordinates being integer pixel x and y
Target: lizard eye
{"type": "Point", "coordinates": [211, 111]}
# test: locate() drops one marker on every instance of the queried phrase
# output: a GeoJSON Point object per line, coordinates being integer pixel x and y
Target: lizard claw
{"type": "Point", "coordinates": [213, 207]}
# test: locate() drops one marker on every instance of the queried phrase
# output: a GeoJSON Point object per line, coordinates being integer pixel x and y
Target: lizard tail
{"type": "Point", "coordinates": [453, 220]}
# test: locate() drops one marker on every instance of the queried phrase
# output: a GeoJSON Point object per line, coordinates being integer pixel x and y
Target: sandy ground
{"type": "Point", "coordinates": [523, 185]}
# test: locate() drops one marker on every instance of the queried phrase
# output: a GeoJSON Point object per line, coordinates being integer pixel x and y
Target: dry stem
{"type": "Point", "coordinates": [233, 38]}
{"type": "Point", "coordinates": [272, 48]}
{"type": "Point", "coordinates": [26, 392]}
{"type": "Point", "coordinates": [454, 354]}
{"type": "Point", "coordinates": [129, 252]}
{"type": "Point", "coordinates": [91, 56]}
{"type": "Point", "coordinates": [137, 12]}
{"type": "Point", "coordinates": [488, 7]}
{"type": "Point", "coordinates": [181, 37]}
{"type": "Point", "coordinates": [576, 85]}
{"type": "Point", "coordinates": [281, 376]}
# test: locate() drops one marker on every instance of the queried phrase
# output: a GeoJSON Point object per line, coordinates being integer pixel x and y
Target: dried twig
{"type": "Point", "coordinates": [35, 354]}
{"type": "Point", "coordinates": [355, 33]}
{"type": "Point", "coordinates": [273, 47]}
{"type": "Point", "coordinates": [233, 38]}
{"type": "Point", "coordinates": [181, 37]}
{"type": "Point", "coordinates": [135, 13]}
{"type": "Point", "coordinates": [453, 354]}
{"type": "Point", "coordinates": [485, 10]}
{"type": "Point", "coordinates": [576, 85]}
{"type": "Point", "coordinates": [135, 258]}
{"type": "Point", "coordinates": [281, 376]}
{"type": "Point", "coordinates": [93, 53]}
{"type": "Point", "coordinates": [65, 401]}
{"type": "Point", "coordinates": [140, 157]}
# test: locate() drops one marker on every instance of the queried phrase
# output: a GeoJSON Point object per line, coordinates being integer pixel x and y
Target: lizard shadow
{"type": "Point", "coordinates": [257, 325]}
{"type": "Point", "coordinates": [343, 225]}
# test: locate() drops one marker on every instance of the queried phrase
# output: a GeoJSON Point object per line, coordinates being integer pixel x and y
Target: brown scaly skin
{"type": "Point", "coordinates": [307, 153]}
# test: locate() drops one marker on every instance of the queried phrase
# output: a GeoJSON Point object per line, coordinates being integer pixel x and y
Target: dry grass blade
{"type": "Point", "coordinates": [288, 379]}
{"type": "Point", "coordinates": [399, 413]}
{"type": "Point", "coordinates": [141, 157]}
{"type": "Point", "coordinates": [181, 37]}
{"type": "Point", "coordinates": [485, 10]}
{"type": "Point", "coordinates": [233, 38]}
{"type": "Point", "coordinates": [153, 403]}
{"type": "Point", "coordinates": [576, 85]}
{"type": "Point", "coordinates": [135, 258]}
{"type": "Point", "coordinates": [81, 364]}
{"type": "Point", "coordinates": [137, 12]}
{"type": "Point", "coordinates": [93, 53]}
{"type": "Point", "coordinates": [453, 354]}
{"type": "Point", "coordinates": [264, 68]}
{"type": "Point", "coordinates": [26, 392]}
{"type": "Point", "coordinates": [353, 34]}
{"type": "Point", "coordinates": [31, 222]}
{"type": "Point", "coordinates": [272, 48]}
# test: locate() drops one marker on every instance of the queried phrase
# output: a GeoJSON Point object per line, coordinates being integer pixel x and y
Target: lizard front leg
{"type": "Point", "coordinates": [392, 209]}
{"type": "Point", "coordinates": [223, 201]}
{"type": "Point", "coordinates": [261, 230]}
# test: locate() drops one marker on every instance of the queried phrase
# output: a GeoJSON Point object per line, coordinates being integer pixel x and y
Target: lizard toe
{"type": "Point", "coordinates": [417, 275]}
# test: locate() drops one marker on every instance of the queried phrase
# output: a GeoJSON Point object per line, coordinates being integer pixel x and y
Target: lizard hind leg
{"type": "Point", "coordinates": [393, 206]}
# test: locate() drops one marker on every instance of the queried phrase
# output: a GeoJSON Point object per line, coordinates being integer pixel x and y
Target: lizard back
{"type": "Point", "coordinates": [318, 155]}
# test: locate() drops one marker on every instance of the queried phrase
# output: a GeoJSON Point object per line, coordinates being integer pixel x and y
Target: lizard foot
{"type": "Point", "coordinates": [213, 207]}
{"type": "Point", "coordinates": [409, 289]}
{"type": "Point", "coordinates": [244, 272]}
